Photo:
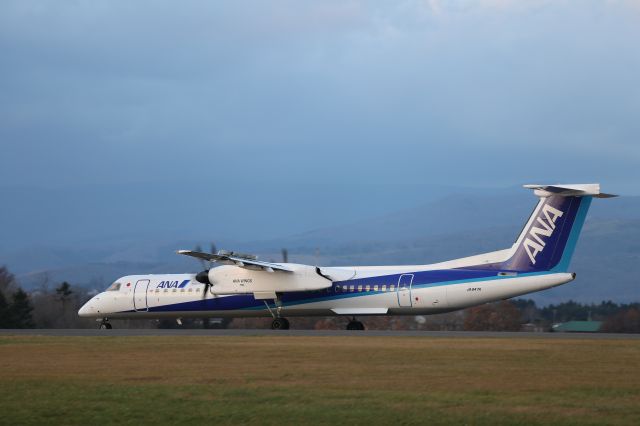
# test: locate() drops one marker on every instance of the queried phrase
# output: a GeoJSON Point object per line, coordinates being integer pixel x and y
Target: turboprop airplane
{"type": "Point", "coordinates": [244, 286]}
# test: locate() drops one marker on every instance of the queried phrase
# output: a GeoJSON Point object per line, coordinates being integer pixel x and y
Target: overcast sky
{"type": "Point", "coordinates": [468, 93]}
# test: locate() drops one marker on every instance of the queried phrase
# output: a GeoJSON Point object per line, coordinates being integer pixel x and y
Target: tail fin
{"type": "Point", "coordinates": [549, 237]}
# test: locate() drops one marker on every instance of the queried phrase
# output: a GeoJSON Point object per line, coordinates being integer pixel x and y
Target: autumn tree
{"type": "Point", "coordinates": [58, 308]}
{"type": "Point", "coordinates": [500, 316]}
{"type": "Point", "coordinates": [627, 321]}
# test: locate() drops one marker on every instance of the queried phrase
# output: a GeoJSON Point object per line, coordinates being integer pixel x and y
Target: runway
{"type": "Point", "coordinates": [309, 333]}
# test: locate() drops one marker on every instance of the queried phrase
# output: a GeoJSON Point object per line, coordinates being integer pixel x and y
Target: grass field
{"type": "Point", "coordinates": [318, 380]}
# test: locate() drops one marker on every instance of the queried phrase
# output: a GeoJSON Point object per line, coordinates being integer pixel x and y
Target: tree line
{"type": "Point", "coordinates": [511, 315]}
{"type": "Point", "coordinates": [15, 306]}
{"type": "Point", "coordinates": [40, 308]}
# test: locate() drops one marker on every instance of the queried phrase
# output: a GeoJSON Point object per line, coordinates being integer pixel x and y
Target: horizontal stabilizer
{"type": "Point", "coordinates": [569, 190]}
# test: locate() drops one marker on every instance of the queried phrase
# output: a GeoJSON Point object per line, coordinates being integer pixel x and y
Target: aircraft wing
{"type": "Point", "coordinates": [238, 259]}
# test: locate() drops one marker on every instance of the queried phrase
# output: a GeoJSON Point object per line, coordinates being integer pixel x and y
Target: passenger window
{"type": "Point", "coordinates": [359, 288]}
{"type": "Point", "coordinates": [384, 288]}
{"type": "Point", "coordinates": [367, 288]}
{"type": "Point", "coordinates": [375, 288]}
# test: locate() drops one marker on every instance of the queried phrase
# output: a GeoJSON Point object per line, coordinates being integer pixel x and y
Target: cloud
{"type": "Point", "coordinates": [365, 91]}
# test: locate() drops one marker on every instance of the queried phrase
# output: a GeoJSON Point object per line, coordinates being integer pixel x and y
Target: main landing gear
{"type": "Point", "coordinates": [280, 324]}
{"type": "Point", "coordinates": [105, 324]}
{"type": "Point", "coordinates": [355, 324]}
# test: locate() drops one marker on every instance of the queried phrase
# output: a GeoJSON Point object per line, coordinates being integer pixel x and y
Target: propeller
{"type": "Point", "coordinates": [203, 276]}
{"type": "Point", "coordinates": [285, 255]}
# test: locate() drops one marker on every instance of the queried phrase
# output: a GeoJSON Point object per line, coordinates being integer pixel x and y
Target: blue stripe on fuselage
{"type": "Point", "coordinates": [422, 279]}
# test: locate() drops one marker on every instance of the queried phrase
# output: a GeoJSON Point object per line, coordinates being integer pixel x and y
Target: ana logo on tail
{"type": "Point", "coordinates": [547, 219]}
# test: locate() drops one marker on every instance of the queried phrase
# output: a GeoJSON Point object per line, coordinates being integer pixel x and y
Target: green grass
{"type": "Point", "coordinates": [317, 380]}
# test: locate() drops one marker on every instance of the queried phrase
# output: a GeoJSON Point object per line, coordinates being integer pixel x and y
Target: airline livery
{"type": "Point", "coordinates": [243, 286]}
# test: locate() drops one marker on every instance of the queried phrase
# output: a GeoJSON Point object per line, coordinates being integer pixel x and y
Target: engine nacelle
{"type": "Point", "coordinates": [229, 279]}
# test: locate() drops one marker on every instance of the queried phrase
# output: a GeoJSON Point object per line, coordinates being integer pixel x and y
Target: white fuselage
{"type": "Point", "coordinates": [365, 293]}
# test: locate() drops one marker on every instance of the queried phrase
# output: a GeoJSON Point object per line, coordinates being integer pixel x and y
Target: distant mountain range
{"type": "Point", "coordinates": [607, 259]}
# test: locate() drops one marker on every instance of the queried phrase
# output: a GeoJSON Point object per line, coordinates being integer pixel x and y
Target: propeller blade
{"type": "Point", "coordinates": [206, 289]}
{"type": "Point", "coordinates": [203, 277]}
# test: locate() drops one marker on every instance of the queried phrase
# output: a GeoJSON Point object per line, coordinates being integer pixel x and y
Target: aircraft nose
{"type": "Point", "coordinates": [88, 309]}
{"type": "Point", "coordinates": [84, 310]}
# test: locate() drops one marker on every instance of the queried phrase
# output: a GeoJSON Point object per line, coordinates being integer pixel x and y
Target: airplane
{"type": "Point", "coordinates": [243, 286]}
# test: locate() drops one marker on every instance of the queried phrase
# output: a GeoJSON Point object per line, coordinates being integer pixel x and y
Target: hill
{"type": "Point", "coordinates": [606, 259]}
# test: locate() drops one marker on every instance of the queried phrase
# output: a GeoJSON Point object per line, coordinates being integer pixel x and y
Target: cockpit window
{"type": "Point", "coordinates": [114, 287]}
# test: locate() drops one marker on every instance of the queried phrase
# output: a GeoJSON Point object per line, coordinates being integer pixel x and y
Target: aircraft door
{"type": "Point", "coordinates": [404, 290]}
{"type": "Point", "coordinates": [140, 296]}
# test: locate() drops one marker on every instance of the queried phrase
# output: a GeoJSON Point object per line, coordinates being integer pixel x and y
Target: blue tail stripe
{"type": "Point", "coordinates": [572, 241]}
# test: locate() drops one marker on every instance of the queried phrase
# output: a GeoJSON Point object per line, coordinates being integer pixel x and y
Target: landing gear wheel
{"type": "Point", "coordinates": [280, 324]}
{"type": "Point", "coordinates": [105, 326]}
{"type": "Point", "coordinates": [355, 325]}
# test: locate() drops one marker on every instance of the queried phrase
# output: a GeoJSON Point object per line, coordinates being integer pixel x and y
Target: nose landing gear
{"type": "Point", "coordinates": [105, 324]}
{"type": "Point", "coordinates": [355, 324]}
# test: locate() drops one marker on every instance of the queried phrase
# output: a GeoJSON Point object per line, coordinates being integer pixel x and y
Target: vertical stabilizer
{"type": "Point", "coordinates": [549, 238]}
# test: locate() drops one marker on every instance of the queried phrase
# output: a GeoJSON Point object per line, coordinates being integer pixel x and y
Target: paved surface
{"type": "Point", "coordinates": [383, 333]}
